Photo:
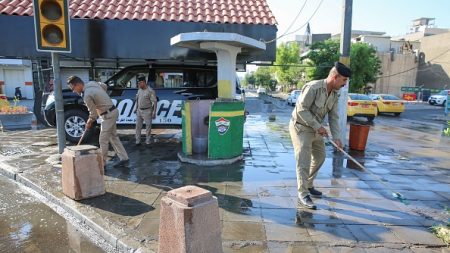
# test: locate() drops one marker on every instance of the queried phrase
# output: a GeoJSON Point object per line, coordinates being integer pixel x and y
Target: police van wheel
{"type": "Point", "coordinates": [74, 124]}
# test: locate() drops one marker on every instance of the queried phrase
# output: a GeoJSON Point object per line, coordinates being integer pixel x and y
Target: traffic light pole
{"type": "Point", "coordinates": [58, 103]}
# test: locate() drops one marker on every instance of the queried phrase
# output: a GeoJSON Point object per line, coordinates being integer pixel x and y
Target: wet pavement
{"type": "Point", "coordinates": [27, 225]}
{"type": "Point", "coordinates": [257, 196]}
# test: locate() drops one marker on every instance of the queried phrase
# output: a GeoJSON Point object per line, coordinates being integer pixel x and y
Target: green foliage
{"type": "Point", "coordinates": [263, 77]}
{"type": "Point", "coordinates": [364, 64]}
{"type": "Point", "coordinates": [249, 79]}
{"type": "Point", "coordinates": [322, 56]}
{"type": "Point", "coordinates": [288, 55]}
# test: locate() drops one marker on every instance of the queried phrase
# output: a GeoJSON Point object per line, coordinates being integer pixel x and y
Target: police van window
{"type": "Point", "coordinates": [200, 78]}
{"type": "Point", "coordinates": [211, 79]}
{"type": "Point", "coordinates": [173, 80]}
{"type": "Point", "coordinates": [169, 79]}
{"type": "Point", "coordinates": [129, 80]}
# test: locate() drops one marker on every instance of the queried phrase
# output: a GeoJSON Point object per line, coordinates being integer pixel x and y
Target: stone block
{"type": "Point", "coordinates": [82, 172]}
{"type": "Point", "coordinates": [189, 222]}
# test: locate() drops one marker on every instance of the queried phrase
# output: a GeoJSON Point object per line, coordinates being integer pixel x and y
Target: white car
{"type": "Point", "coordinates": [261, 90]}
{"type": "Point", "coordinates": [439, 99]}
{"type": "Point", "coordinates": [292, 98]}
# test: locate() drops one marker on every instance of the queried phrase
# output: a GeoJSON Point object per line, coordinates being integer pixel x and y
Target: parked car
{"type": "Point", "coordinates": [292, 98]}
{"type": "Point", "coordinates": [261, 90]}
{"type": "Point", "coordinates": [388, 104]}
{"type": "Point", "coordinates": [172, 83]}
{"type": "Point", "coordinates": [360, 105]}
{"type": "Point", "coordinates": [439, 99]}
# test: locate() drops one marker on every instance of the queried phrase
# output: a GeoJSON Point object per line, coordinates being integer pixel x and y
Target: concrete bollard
{"type": "Point", "coordinates": [189, 222]}
{"type": "Point", "coordinates": [82, 172]}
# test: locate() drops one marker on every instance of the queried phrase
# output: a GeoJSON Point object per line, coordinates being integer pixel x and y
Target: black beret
{"type": "Point", "coordinates": [342, 69]}
{"type": "Point", "coordinates": [141, 78]}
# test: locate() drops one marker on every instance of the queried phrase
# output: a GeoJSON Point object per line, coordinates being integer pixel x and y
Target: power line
{"type": "Point", "coordinates": [295, 19]}
{"type": "Point", "coordinates": [314, 13]}
{"type": "Point", "coordinates": [292, 23]}
{"type": "Point", "coordinates": [296, 30]}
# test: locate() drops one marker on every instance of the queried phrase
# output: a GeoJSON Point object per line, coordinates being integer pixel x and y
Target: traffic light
{"type": "Point", "coordinates": [51, 22]}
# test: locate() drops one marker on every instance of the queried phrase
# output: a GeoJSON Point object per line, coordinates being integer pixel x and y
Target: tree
{"type": "Point", "coordinates": [364, 64]}
{"type": "Point", "coordinates": [249, 79]}
{"type": "Point", "coordinates": [263, 77]}
{"type": "Point", "coordinates": [322, 56]}
{"type": "Point", "coordinates": [287, 57]}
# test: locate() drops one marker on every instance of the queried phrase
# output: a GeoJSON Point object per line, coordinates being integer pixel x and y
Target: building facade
{"type": "Point", "coordinates": [434, 67]}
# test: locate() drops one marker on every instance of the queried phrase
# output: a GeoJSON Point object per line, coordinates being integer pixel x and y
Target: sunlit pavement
{"type": "Point", "coordinates": [258, 196]}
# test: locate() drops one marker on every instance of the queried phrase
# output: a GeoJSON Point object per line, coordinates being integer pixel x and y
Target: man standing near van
{"type": "Point", "coordinates": [317, 99]}
{"type": "Point", "coordinates": [100, 104]}
{"type": "Point", "coordinates": [145, 110]}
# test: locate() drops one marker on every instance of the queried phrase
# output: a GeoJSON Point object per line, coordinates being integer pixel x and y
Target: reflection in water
{"type": "Point", "coordinates": [359, 156]}
{"type": "Point", "coordinates": [338, 164]}
{"type": "Point", "coordinates": [22, 234]}
{"type": "Point", "coordinates": [303, 216]}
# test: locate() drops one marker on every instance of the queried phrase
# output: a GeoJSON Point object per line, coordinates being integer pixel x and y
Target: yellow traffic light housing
{"type": "Point", "coordinates": [51, 21]}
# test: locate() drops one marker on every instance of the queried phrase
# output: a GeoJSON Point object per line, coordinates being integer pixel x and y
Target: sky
{"type": "Point", "coordinates": [391, 16]}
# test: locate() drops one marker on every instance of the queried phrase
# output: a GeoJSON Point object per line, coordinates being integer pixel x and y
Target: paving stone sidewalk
{"type": "Point", "coordinates": [257, 197]}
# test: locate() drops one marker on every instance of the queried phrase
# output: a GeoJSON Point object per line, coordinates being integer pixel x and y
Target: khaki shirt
{"type": "Point", "coordinates": [145, 98]}
{"type": "Point", "coordinates": [312, 106]}
{"type": "Point", "coordinates": [96, 99]}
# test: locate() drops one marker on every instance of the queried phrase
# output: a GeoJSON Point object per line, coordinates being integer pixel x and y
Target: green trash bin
{"type": "Point", "coordinates": [226, 130]}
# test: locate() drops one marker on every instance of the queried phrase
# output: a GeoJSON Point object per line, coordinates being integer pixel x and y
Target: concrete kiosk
{"type": "Point", "coordinates": [226, 114]}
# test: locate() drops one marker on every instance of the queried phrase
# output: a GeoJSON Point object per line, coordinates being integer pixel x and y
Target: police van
{"type": "Point", "coordinates": [172, 83]}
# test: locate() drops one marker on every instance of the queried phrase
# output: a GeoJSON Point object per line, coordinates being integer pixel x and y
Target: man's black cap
{"type": "Point", "coordinates": [141, 78]}
{"type": "Point", "coordinates": [342, 69]}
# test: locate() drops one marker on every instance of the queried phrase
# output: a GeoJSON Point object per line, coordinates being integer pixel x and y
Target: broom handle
{"type": "Point", "coordinates": [81, 139]}
{"type": "Point", "coordinates": [346, 154]}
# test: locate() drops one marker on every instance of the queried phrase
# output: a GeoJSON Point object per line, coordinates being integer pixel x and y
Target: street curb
{"type": "Point", "coordinates": [7, 170]}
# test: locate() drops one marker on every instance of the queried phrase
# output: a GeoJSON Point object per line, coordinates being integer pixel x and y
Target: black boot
{"type": "Point", "coordinates": [314, 192]}
{"type": "Point", "coordinates": [307, 202]}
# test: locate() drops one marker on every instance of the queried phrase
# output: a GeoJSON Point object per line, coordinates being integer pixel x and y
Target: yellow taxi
{"type": "Point", "coordinates": [361, 105]}
{"type": "Point", "coordinates": [388, 104]}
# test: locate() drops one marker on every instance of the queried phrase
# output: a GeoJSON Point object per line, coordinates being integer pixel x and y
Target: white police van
{"type": "Point", "coordinates": [172, 83]}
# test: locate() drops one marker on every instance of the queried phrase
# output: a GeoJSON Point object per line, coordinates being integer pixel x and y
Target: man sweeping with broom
{"type": "Point", "coordinates": [317, 99]}
{"type": "Point", "coordinates": [100, 104]}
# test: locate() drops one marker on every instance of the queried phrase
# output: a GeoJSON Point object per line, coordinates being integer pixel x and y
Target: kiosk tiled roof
{"type": "Point", "coordinates": [210, 11]}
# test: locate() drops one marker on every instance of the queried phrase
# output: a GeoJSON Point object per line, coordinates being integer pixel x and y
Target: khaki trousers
{"type": "Point", "coordinates": [144, 116]}
{"type": "Point", "coordinates": [108, 134]}
{"type": "Point", "coordinates": [309, 149]}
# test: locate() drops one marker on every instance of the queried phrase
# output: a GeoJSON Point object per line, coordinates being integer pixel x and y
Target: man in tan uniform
{"type": "Point", "coordinates": [100, 104]}
{"type": "Point", "coordinates": [316, 100]}
{"type": "Point", "coordinates": [145, 110]}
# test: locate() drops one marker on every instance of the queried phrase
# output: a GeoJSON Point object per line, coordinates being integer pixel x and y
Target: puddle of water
{"type": "Point", "coordinates": [28, 225]}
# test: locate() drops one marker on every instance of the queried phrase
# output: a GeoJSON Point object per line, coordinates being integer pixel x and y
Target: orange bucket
{"type": "Point", "coordinates": [358, 136]}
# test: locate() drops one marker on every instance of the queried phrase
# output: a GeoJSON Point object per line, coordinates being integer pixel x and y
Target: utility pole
{"type": "Point", "coordinates": [58, 103]}
{"type": "Point", "coordinates": [346, 36]}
